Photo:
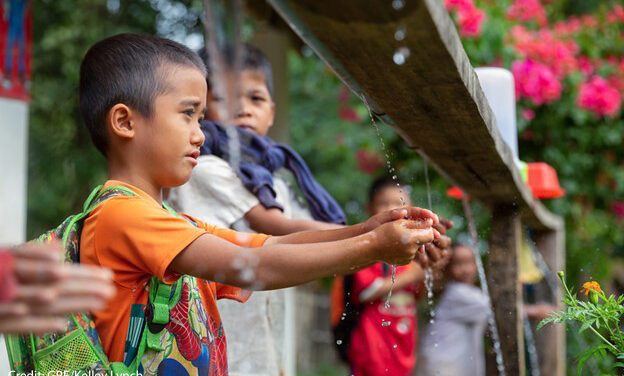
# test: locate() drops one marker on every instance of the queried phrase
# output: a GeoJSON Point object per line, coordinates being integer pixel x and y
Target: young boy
{"type": "Point", "coordinates": [142, 98]}
{"type": "Point", "coordinates": [383, 341]}
{"type": "Point", "coordinates": [256, 331]}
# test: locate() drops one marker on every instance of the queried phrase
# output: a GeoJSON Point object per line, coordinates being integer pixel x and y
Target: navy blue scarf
{"type": "Point", "coordinates": [260, 157]}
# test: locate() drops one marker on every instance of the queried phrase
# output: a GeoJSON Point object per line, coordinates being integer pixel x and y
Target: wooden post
{"type": "Point", "coordinates": [505, 289]}
{"type": "Point", "coordinates": [550, 340]}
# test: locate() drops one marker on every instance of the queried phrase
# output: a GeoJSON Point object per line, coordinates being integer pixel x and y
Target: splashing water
{"type": "Point", "coordinates": [394, 177]}
{"type": "Point", "coordinates": [429, 288]}
{"type": "Point", "coordinates": [400, 33]}
{"type": "Point", "coordinates": [531, 349]}
{"type": "Point", "coordinates": [398, 4]}
{"type": "Point", "coordinates": [500, 365]}
{"type": "Point", "coordinates": [400, 55]}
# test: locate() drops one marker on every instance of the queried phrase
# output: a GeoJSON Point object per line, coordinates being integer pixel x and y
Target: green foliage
{"type": "Point", "coordinates": [602, 315]}
{"type": "Point", "coordinates": [63, 164]}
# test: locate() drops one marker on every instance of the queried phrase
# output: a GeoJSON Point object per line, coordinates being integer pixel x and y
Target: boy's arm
{"type": "Point", "coordinates": [346, 232]}
{"type": "Point", "coordinates": [274, 222]}
{"type": "Point", "coordinates": [276, 266]}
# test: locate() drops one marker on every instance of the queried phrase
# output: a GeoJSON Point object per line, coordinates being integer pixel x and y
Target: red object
{"type": "Point", "coordinates": [8, 284]}
{"type": "Point", "coordinates": [456, 193]}
{"type": "Point", "coordinates": [384, 349]}
{"type": "Point", "coordinates": [543, 181]}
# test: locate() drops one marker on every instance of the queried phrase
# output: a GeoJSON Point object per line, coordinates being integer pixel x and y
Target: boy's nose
{"type": "Point", "coordinates": [242, 109]}
{"type": "Point", "coordinates": [198, 137]}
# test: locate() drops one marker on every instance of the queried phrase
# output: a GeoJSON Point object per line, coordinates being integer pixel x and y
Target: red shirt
{"type": "Point", "coordinates": [384, 340]}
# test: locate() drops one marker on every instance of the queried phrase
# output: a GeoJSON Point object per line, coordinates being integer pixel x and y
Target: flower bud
{"type": "Point", "coordinates": [593, 297]}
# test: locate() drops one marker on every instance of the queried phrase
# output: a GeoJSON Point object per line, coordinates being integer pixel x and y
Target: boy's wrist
{"type": "Point", "coordinates": [374, 248]}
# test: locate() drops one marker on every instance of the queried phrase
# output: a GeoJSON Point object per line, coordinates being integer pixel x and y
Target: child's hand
{"type": "Point", "coordinates": [398, 241]}
{"type": "Point", "coordinates": [414, 213]}
{"type": "Point", "coordinates": [45, 289]}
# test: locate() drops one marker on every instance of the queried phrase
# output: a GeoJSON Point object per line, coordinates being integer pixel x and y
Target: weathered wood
{"type": "Point", "coordinates": [505, 288]}
{"type": "Point", "coordinates": [550, 340]}
{"type": "Point", "coordinates": [433, 100]}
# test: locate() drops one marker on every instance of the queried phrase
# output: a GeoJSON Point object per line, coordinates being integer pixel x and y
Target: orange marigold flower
{"type": "Point", "coordinates": [591, 286]}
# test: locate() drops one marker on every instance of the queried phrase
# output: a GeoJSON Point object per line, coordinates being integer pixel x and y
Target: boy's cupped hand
{"type": "Point", "coordinates": [413, 213]}
{"type": "Point", "coordinates": [397, 242]}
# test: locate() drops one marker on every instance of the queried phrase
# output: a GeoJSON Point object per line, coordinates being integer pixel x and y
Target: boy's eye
{"type": "Point", "coordinates": [256, 98]}
{"type": "Point", "coordinates": [189, 113]}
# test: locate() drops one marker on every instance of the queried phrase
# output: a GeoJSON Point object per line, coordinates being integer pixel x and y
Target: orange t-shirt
{"type": "Point", "coordinates": [137, 238]}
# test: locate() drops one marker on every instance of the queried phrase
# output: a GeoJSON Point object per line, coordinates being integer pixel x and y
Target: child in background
{"type": "Point", "coordinates": [383, 342]}
{"type": "Point", "coordinates": [216, 194]}
{"type": "Point", "coordinates": [453, 344]}
{"type": "Point", "coordinates": [142, 99]}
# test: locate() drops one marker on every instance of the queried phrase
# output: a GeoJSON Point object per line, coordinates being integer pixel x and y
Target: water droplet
{"type": "Point", "coordinates": [400, 55]}
{"type": "Point", "coordinates": [400, 33]}
{"type": "Point", "coordinates": [432, 321]}
{"type": "Point", "coordinates": [435, 345]}
{"type": "Point", "coordinates": [395, 346]}
{"type": "Point", "coordinates": [398, 4]}
{"type": "Point", "coordinates": [339, 342]}
{"type": "Point", "coordinates": [385, 323]}
{"type": "Point", "coordinates": [238, 263]}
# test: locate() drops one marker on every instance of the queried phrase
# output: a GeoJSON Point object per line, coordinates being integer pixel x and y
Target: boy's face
{"type": "Point", "coordinates": [388, 198]}
{"type": "Point", "coordinates": [254, 107]}
{"type": "Point", "coordinates": [462, 267]}
{"type": "Point", "coordinates": [168, 142]}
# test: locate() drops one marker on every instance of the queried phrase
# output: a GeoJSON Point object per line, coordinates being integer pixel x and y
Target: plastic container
{"type": "Point", "coordinates": [543, 181]}
{"type": "Point", "coordinates": [455, 192]}
{"type": "Point", "coordinates": [499, 89]}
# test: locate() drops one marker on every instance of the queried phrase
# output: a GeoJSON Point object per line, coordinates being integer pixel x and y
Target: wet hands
{"type": "Point", "coordinates": [414, 213]}
{"type": "Point", "coordinates": [437, 254]}
{"type": "Point", "coordinates": [44, 290]}
{"type": "Point", "coordinates": [398, 241]}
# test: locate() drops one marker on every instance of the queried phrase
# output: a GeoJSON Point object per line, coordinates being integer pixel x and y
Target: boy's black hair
{"type": "Point", "coordinates": [252, 58]}
{"type": "Point", "coordinates": [381, 183]}
{"type": "Point", "coordinates": [129, 69]}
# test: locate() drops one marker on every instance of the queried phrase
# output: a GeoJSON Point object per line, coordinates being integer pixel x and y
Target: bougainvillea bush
{"type": "Point", "coordinates": [567, 59]}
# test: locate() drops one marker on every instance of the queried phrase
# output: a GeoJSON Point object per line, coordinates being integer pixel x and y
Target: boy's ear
{"type": "Point", "coordinates": [120, 121]}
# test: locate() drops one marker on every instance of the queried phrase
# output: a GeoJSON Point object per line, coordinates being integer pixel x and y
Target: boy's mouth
{"type": "Point", "coordinates": [248, 127]}
{"type": "Point", "coordinates": [193, 157]}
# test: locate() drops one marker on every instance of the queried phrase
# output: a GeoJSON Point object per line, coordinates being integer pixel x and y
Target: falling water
{"type": "Point", "coordinates": [428, 272]}
{"type": "Point", "coordinates": [214, 35]}
{"type": "Point", "coordinates": [500, 365]}
{"type": "Point", "coordinates": [531, 350]}
{"type": "Point", "coordinates": [394, 177]}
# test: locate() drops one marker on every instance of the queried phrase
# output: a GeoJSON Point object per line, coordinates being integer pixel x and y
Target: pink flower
{"type": "Point", "coordinates": [458, 5]}
{"type": "Point", "coordinates": [616, 14]}
{"type": "Point", "coordinates": [470, 21]}
{"type": "Point", "coordinates": [544, 47]}
{"type": "Point", "coordinates": [347, 113]}
{"type": "Point", "coordinates": [368, 161]}
{"type": "Point", "coordinates": [585, 65]}
{"type": "Point", "coordinates": [599, 97]}
{"type": "Point", "coordinates": [527, 10]}
{"type": "Point", "coordinates": [535, 81]}
{"type": "Point", "coordinates": [617, 207]}
{"type": "Point", "coordinates": [528, 114]}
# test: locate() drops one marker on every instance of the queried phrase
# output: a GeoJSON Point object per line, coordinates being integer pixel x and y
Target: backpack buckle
{"type": "Point", "coordinates": [155, 324]}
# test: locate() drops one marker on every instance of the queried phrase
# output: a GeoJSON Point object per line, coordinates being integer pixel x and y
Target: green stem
{"type": "Point", "coordinates": [604, 339]}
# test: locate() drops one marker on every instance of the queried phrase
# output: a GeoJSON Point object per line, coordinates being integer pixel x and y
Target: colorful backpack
{"type": "Point", "coordinates": [345, 314]}
{"type": "Point", "coordinates": [78, 349]}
